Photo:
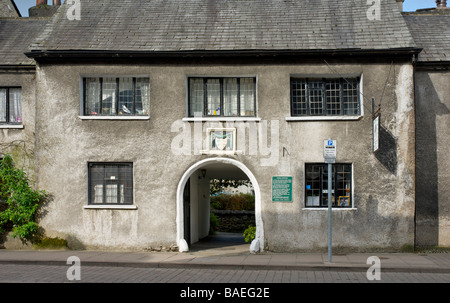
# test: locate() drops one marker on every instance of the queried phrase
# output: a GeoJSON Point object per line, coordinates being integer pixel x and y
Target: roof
{"type": "Point", "coordinates": [432, 33]}
{"type": "Point", "coordinates": [8, 9]}
{"type": "Point", "coordinates": [16, 35]}
{"type": "Point", "coordinates": [225, 25]}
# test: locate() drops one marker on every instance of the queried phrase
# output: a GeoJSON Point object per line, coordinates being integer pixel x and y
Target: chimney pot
{"type": "Point", "coordinates": [441, 3]}
{"type": "Point", "coordinates": [56, 2]}
{"type": "Point", "coordinates": [41, 2]}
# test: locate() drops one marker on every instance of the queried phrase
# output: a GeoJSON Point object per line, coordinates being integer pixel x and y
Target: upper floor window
{"type": "Point", "coordinates": [325, 97]}
{"type": "Point", "coordinates": [110, 96]}
{"type": "Point", "coordinates": [11, 105]}
{"type": "Point", "coordinates": [222, 97]}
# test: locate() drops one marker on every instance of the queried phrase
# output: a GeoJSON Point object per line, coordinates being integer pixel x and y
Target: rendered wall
{"type": "Point", "coordinates": [18, 141]}
{"type": "Point", "coordinates": [383, 213]}
{"type": "Point", "coordinates": [432, 158]}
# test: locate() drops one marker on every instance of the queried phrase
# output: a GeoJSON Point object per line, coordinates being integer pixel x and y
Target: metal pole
{"type": "Point", "coordinates": [330, 211]}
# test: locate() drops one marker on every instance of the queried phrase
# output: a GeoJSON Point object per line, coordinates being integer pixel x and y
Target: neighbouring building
{"type": "Point", "coordinates": [9, 9]}
{"type": "Point", "coordinates": [17, 85]}
{"type": "Point", "coordinates": [430, 29]}
{"type": "Point", "coordinates": [137, 105]}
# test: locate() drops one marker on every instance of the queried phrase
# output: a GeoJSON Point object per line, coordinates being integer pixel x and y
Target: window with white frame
{"type": "Point", "coordinates": [325, 97]}
{"type": "Point", "coordinates": [222, 96]}
{"type": "Point", "coordinates": [316, 193]}
{"type": "Point", "coordinates": [110, 183]}
{"type": "Point", "coordinates": [116, 96]}
{"type": "Point", "coordinates": [10, 105]}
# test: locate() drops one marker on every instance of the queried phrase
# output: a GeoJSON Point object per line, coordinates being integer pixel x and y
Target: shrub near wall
{"type": "Point", "coordinates": [234, 212]}
{"type": "Point", "coordinates": [19, 202]}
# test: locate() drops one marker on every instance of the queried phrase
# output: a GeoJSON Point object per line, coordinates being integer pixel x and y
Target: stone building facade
{"type": "Point", "coordinates": [134, 115]}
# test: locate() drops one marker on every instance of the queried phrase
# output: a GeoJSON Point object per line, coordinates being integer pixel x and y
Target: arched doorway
{"type": "Point", "coordinates": [258, 243]}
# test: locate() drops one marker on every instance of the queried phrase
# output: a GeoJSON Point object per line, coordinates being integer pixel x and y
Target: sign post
{"type": "Point", "coordinates": [329, 154]}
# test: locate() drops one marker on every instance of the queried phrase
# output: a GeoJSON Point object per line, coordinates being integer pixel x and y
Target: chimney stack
{"type": "Point", "coordinates": [400, 4]}
{"type": "Point", "coordinates": [42, 9]}
{"type": "Point", "coordinates": [441, 3]}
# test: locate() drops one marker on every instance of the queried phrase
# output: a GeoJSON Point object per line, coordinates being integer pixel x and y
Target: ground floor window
{"type": "Point", "coordinates": [110, 183]}
{"type": "Point", "coordinates": [10, 105]}
{"type": "Point", "coordinates": [316, 193]}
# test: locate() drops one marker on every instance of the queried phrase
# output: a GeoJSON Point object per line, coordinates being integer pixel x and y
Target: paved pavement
{"type": "Point", "coordinates": [221, 259]}
{"type": "Point", "coordinates": [235, 258]}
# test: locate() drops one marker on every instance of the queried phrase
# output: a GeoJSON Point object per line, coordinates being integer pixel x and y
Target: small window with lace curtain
{"type": "Point", "coordinates": [222, 97]}
{"type": "Point", "coordinates": [10, 105]}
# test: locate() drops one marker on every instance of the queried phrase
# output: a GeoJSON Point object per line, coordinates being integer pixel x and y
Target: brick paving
{"type": "Point", "coordinates": [24, 273]}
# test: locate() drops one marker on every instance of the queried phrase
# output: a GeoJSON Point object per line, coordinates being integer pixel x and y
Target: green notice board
{"type": "Point", "coordinates": [281, 189]}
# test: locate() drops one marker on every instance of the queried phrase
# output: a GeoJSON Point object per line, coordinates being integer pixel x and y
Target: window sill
{"type": "Point", "coordinates": [110, 207]}
{"type": "Point", "coordinates": [127, 118]}
{"type": "Point", "coordinates": [11, 126]}
{"type": "Point", "coordinates": [224, 119]}
{"type": "Point", "coordinates": [324, 118]}
{"type": "Point", "coordinates": [326, 208]}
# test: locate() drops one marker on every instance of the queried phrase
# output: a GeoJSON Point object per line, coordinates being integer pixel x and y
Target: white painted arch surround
{"type": "Point", "coordinates": [258, 243]}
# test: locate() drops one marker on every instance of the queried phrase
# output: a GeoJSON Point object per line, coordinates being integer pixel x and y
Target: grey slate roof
{"type": "Point", "coordinates": [225, 25]}
{"type": "Point", "coordinates": [16, 35]}
{"type": "Point", "coordinates": [432, 33]}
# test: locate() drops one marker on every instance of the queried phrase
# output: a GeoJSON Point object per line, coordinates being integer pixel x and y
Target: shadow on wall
{"type": "Point", "coordinates": [387, 153]}
{"type": "Point", "coordinates": [364, 230]}
{"type": "Point", "coordinates": [428, 107]}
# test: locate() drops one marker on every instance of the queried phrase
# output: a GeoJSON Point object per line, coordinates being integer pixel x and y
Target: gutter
{"type": "Point", "coordinates": [432, 65]}
{"type": "Point", "coordinates": [56, 55]}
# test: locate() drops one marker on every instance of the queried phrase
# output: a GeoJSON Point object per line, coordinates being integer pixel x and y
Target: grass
{"type": "Point", "coordinates": [432, 250]}
{"type": "Point", "coordinates": [51, 243]}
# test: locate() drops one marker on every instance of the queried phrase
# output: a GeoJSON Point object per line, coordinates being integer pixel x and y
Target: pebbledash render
{"type": "Point", "coordinates": [139, 105]}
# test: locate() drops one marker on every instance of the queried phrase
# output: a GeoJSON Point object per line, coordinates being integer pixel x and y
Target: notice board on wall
{"type": "Point", "coordinates": [282, 189]}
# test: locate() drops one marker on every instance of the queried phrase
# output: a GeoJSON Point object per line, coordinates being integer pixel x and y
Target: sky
{"type": "Point", "coordinates": [408, 6]}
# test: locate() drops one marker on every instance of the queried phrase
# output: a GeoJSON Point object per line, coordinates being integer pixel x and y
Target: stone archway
{"type": "Point", "coordinates": [258, 242]}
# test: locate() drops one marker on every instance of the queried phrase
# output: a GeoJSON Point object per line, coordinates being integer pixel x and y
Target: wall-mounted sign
{"type": "Point", "coordinates": [329, 151]}
{"type": "Point", "coordinates": [376, 133]}
{"type": "Point", "coordinates": [281, 189]}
